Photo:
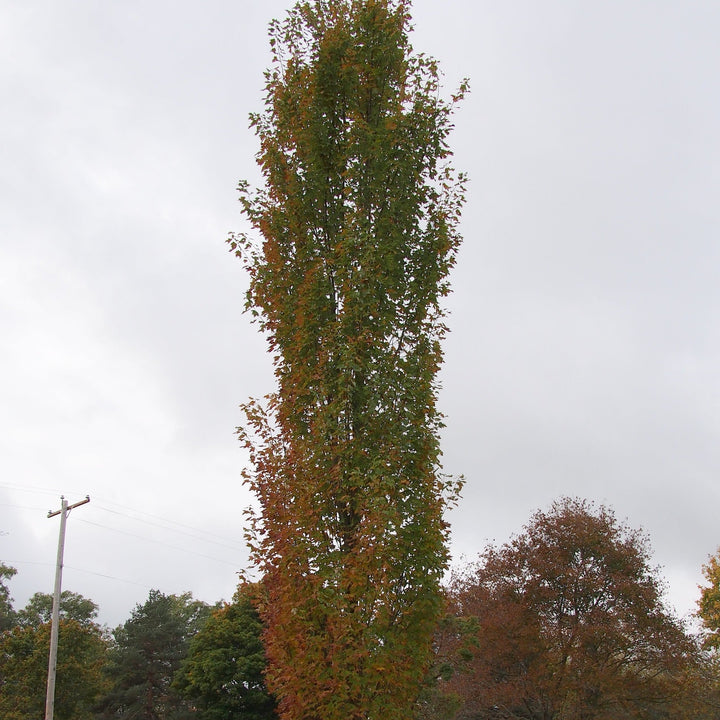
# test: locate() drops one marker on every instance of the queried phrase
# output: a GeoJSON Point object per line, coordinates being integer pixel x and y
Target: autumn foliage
{"type": "Point", "coordinates": [709, 603]}
{"type": "Point", "coordinates": [567, 622]}
{"type": "Point", "coordinates": [357, 227]}
{"type": "Point", "coordinates": [23, 670]}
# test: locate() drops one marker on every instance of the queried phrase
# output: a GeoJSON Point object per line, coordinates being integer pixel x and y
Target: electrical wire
{"type": "Point", "coordinates": [22, 507]}
{"type": "Point", "coordinates": [166, 525]}
{"type": "Point", "coordinates": [236, 544]}
{"type": "Point", "coordinates": [157, 542]}
{"type": "Point", "coordinates": [35, 489]}
{"type": "Point", "coordinates": [109, 577]}
{"type": "Point", "coordinates": [198, 531]}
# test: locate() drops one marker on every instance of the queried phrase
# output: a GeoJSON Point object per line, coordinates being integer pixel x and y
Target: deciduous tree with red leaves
{"type": "Point", "coordinates": [569, 623]}
{"type": "Point", "coordinates": [357, 224]}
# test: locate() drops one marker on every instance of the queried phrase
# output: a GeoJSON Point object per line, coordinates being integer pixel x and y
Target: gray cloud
{"type": "Point", "coordinates": [584, 347]}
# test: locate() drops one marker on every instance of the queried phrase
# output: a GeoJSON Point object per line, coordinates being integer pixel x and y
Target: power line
{"type": "Point", "coordinates": [197, 536]}
{"type": "Point", "coordinates": [163, 525]}
{"type": "Point", "coordinates": [168, 521]}
{"type": "Point", "coordinates": [158, 542]}
{"type": "Point", "coordinates": [12, 563]}
{"type": "Point", "coordinates": [109, 577]}
{"type": "Point", "coordinates": [164, 519]}
{"type": "Point", "coordinates": [34, 489]}
{"type": "Point", "coordinates": [21, 507]}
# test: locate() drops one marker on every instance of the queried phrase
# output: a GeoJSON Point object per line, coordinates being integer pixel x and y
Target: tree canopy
{"type": "Point", "coordinates": [73, 606]}
{"type": "Point", "coordinates": [709, 616]}
{"type": "Point", "coordinates": [7, 614]}
{"type": "Point", "coordinates": [223, 673]}
{"type": "Point", "coordinates": [358, 231]}
{"type": "Point", "coordinates": [24, 651]}
{"type": "Point", "coordinates": [709, 603]}
{"type": "Point", "coordinates": [569, 622]}
{"type": "Point", "coordinates": [147, 651]}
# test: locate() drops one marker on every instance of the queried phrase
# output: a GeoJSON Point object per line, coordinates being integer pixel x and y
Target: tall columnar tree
{"type": "Point", "coordinates": [358, 224]}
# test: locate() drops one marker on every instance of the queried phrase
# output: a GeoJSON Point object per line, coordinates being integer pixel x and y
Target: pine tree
{"type": "Point", "coordinates": [148, 650]}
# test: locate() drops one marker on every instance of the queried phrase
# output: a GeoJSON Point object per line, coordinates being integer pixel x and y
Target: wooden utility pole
{"type": "Point", "coordinates": [52, 662]}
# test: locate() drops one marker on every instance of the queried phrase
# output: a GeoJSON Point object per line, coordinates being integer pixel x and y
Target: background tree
{"type": "Point", "coordinates": [358, 223]}
{"type": "Point", "coordinates": [24, 654]}
{"type": "Point", "coordinates": [147, 651]}
{"type": "Point", "coordinates": [571, 624]}
{"type": "Point", "coordinates": [73, 606]}
{"type": "Point", "coordinates": [438, 699]}
{"type": "Point", "coordinates": [709, 615]}
{"type": "Point", "coordinates": [7, 614]}
{"type": "Point", "coordinates": [223, 674]}
{"type": "Point", "coordinates": [709, 604]}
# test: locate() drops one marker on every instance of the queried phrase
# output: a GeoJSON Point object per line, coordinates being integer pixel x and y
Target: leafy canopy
{"type": "Point", "coordinates": [569, 622]}
{"type": "Point", "coordinates": [709, 603]}
{"type": "Point", "coordinates": [7, 614]}
{"type": "Point", "coordinates": [147, 651]}
{"type": "Point", "coordinates": [24, 651]}
{"type": "Point", "coordinates": [223, 673]}
{"type": "Point", "coordinates": [358, 232]}
{"type": "Point", "coordinates": [73, 606]}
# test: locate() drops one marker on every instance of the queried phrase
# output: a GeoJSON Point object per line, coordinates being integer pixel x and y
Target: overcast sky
{"type": "Point", "coordinates": [584, 354]}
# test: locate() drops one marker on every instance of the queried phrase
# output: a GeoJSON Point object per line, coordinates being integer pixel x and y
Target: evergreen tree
{"type": "Point", "coordinates": [148, 649]}
{"type": "Point", "coordinates": [358, 220]}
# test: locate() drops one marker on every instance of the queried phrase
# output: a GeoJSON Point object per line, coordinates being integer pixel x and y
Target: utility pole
{"type": "Point", "coordinates": [52, 662]}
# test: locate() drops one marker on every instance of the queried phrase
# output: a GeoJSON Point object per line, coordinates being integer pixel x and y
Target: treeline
{"type": "Point", "coordinates": [566, 621]}
{"type": "Point", "coordinates": [174, 658]}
